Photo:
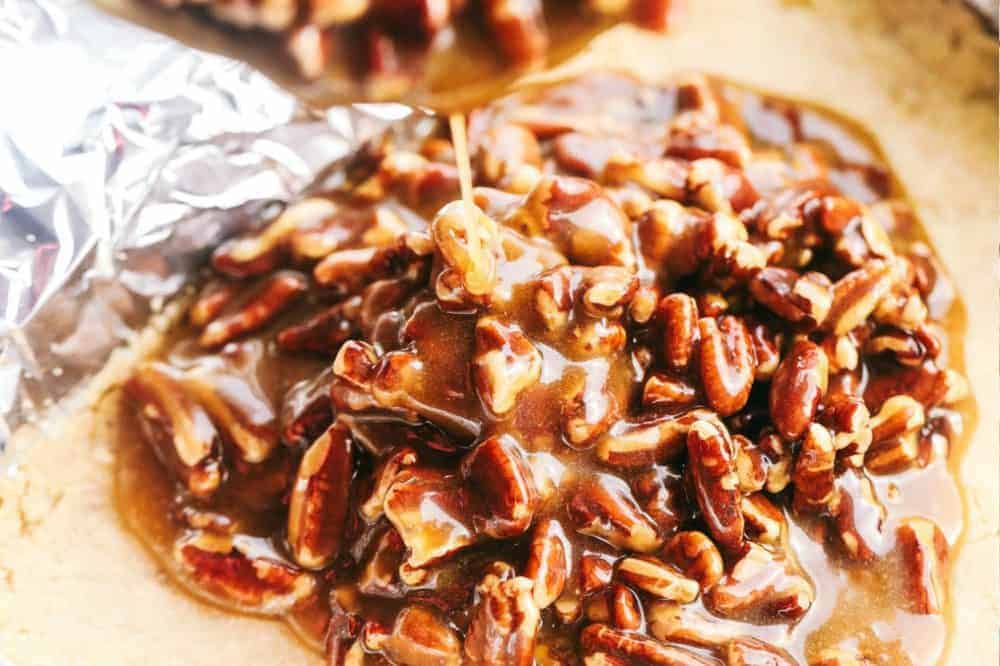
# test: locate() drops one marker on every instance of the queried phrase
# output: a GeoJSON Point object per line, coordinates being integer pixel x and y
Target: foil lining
{"type": "Point", "coordinates": [124, 156]}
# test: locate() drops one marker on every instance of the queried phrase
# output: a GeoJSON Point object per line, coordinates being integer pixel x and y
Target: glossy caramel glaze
{"type": "Point", "coordinates": [572, 386]}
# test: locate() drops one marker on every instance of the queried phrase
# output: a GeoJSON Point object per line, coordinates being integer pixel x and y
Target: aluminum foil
{"type": "Point", "coordinates": [124, 156]}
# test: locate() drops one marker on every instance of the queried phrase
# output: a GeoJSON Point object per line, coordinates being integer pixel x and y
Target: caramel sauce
{"type": "Point", "coordinates": [856, 606]}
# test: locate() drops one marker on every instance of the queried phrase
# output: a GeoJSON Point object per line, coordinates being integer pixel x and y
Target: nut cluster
{"type": "Point", "coordinates": [386, 37]}
{"type": "Point", "coordinates": [572, 420]}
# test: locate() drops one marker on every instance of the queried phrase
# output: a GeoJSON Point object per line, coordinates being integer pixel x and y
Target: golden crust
{"type": "Point", "coordinates": [76, 588]}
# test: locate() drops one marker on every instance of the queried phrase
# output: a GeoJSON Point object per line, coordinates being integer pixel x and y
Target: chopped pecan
{"type": "Point", "coordinates": [595, 573]}
{"type": "Point", "coordinates": [766, 348]}
{"type": "Point", "coordinates": [848, 419]}
{"type": "Point", "coordinates": [519, 29]}
{"type": "Point", "coordinates": [243, 570]}
{"type": "Point", "coordinates": [727, 363]}
{"type": "Point", "coordinates": [688, 623]}
{"type": "Point", "coordinates": [505, 364]}
{"type": "Point", "coordinates": [548, 562]}
{"type": "Point", "coordinates": [763, 586]}
{"type": "Point", "coordinates": [751, 465]}
{"type": "Point", "coordinates": [318, 506]}
{"type": "Point", "coordinates": [603, 506]}
{"type": "Point", "coordinates": [431, 513]}
{"type": "Point", "coordinates": [712, 466]}
{"type": "Point", "coordinates": [925, 556]}
{"type": "Point", "coordinates": [504, 624]}
{"type": "Point", "coordinates": [656, 578]}
{"type": "Point", "coordinates": [276, 294]}
{"type": "Point", "coordinates": [696, 556]}
{"type": "Point", "coordinates": [696, 134]}
{"type": "Point", "coordinates": [178, 428]}
{"type": "Point", "coordinates": [498, 477]}
{"type": "Point", "coordinates": [797, 388]}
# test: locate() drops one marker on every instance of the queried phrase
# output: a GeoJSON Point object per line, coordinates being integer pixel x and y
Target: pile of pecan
{"type": "Point", "coordinates": [573, 421]}
{"type": "Point", "coordinates": [383, 35]}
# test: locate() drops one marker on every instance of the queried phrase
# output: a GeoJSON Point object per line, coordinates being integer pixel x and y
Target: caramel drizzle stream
{"type": "Point", "coordinates": [457, 122]}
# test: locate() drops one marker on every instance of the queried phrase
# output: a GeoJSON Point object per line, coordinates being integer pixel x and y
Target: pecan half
{"type": "Point", "coordinates": [727, 363]}
{"type": "Point", "coordinates": [504, 624]}
{"type": "Point", "coordinates": [603, 506]}
{"type": "Point", "coordinates": [431, 513]}
{"type": "Point", "coordinates": [695, 555]}
{"type": "Point", "coordinates": [856, 294]}
{"type": "Point", "coordinates": [420, 636]}
{"type": "Point", "coordinates": [712, 466]}
{"type": "Point", "coordinates": [633, 648]}
{"type": "Point", "coordinates": [925, 557]}
{"type": "Point", "coordinates": [797, 388]}
{"type": "Point", "coordinates": [243, 570]}
{"type": "Point", "coordinates": [656, 578]}
{"type": "Point", "coordinates": [318, 506]}
{"type": "Point", "coordinates": [498, 476]}
{"type": "Point", "coordinates": [178, 428]}
{"type": "Point", "coordinates": [639, 444]}
{"type": "Point", "coordinates": [801, 299]}
{"type": "Point", "coordinates": [505, 364]}
{"type": "Point", "coordinates": [762, 586]}
{"type": "Point", "coordinates": [548, 562]}
{"type": "Point", "coordinates": [814, 470]}
{"type": "Point", "coordinates": [276, 294]}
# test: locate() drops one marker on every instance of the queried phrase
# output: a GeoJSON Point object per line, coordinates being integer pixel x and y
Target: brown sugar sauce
{"type": "Point", "coordinates": [863, 608]}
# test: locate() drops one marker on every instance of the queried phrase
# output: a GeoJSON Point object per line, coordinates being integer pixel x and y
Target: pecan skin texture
{"type": "Point", "coordinates": [679, 313]}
